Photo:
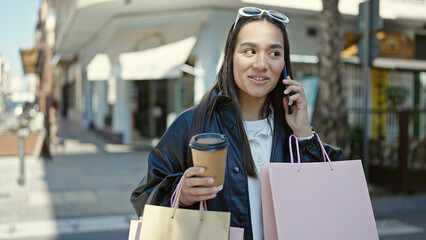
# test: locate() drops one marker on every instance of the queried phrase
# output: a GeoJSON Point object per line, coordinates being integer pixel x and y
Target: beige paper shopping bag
{"type": "Point", "coordinates": [235, 233]}
{"type": "Point", "coordinates": [321, 201]}
{"type": "Point", "coordinates": [174, 223]}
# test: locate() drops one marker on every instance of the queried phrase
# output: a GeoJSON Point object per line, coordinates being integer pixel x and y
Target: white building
{"type": "Point", "coordinates": [126, 67]}
{"type": "Point", "coordinates": [5, 76]}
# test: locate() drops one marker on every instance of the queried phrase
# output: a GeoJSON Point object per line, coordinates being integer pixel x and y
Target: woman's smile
{"type": "Point", "coordinates": [259, 79]}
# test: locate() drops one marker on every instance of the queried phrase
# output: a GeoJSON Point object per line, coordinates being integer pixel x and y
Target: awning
{"type": "Point", "coordinates": [400, 63]}
{"type": "Point", "coordinates": [29, 59]}
{"type": "Point", "coordinates": [161, 62]}
{"type": "Point", "coordinates": [392, 63]}
{"type": "Point", "coordinates": [157, 63]}
{"type": "Point", "coordinates": [99, 69]}
{"type": "Point", "coordinates": [23, 97]}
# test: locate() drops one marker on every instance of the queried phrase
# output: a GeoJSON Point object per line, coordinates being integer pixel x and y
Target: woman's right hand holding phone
{"type": "Point", "coordinates": [298, 120]}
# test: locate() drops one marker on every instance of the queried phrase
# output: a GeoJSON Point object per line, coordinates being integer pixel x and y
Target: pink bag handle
{"type": "Point", "coordinates": [324, 153]}
{"type": "Point", "coordinates": [297, 150]}
{"type": "Point", "coordinates": [175, 194]}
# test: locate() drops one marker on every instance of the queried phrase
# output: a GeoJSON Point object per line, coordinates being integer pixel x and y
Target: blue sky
{"type": "Point", "coordinates": [18, 19]}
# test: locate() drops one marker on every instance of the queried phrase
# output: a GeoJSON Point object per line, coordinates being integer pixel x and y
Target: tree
{"type": "Point", "coordinates": [331, 118]}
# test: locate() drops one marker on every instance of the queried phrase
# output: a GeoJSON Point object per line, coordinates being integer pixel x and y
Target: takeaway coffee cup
{"type": "Point", "coordinates": [209, 151]}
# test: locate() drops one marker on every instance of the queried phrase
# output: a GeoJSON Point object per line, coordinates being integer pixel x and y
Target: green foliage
{"type": "Point", "coordinates": [395, 96]}
{"type": "Point", "coordinates": [356, 134]}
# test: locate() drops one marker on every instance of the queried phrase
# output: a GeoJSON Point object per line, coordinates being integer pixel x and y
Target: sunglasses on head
{"type": "Point", "coordinates": [254, 11]}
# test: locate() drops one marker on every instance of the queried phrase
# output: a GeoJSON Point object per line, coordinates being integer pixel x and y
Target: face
{"type": "Point", "coordinates": [258, 60]}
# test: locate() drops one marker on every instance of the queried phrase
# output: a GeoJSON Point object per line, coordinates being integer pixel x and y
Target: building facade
{"type": "Point", "coordinates": [127, 67]}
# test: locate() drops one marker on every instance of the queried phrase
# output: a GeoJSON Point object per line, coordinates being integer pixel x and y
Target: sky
{"type": "Point", "coordinates": [18, 19]}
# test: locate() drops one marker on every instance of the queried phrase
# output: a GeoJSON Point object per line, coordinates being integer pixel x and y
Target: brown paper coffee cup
{"type": "Point", "coordinates": [209, 150]}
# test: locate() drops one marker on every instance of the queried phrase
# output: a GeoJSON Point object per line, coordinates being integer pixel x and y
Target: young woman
{"type": "Point", "coordinates": [248, 104]}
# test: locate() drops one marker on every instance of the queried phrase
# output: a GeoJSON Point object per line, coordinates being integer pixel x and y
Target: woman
{"type": "Point", "coordinates": [248, 104]}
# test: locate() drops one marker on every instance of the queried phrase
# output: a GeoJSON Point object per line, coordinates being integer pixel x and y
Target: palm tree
{"type": "Point", "coordinates": [331, 119]}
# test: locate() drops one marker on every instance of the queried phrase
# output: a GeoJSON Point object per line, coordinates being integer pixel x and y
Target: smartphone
{"type": "Point", "coordinates": [290, 108]}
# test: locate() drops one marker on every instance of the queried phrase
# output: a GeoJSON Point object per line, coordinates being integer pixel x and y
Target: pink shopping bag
{"type": "Point", "coordinates": [322, 200]}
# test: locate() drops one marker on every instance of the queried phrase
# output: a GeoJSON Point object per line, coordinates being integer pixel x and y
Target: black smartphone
{"type": "Point", "coordinates": [290, 107]}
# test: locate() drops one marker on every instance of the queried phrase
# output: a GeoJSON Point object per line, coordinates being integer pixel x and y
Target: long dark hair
{"type": "Point", "coordinates": [225, 85]}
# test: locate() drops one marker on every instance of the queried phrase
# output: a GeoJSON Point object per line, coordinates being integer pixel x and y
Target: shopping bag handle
{"type": "Point", "coordinates": [324, 153]}
{"type": "Point", "coordinates": [176, 196]}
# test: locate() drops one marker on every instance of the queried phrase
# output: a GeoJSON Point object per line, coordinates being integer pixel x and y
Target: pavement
{"type": "Point", "coordinates": [85, 188]}
{"type": "Point", "coordinates": [84, 191]}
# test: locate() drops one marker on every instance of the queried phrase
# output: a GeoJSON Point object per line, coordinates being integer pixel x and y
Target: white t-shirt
{"type": "Point", "coordinates": [259, 134]}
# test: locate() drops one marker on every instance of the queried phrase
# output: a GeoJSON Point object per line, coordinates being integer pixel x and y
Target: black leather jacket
{"type": "Point", "coordinates": [167, 162]}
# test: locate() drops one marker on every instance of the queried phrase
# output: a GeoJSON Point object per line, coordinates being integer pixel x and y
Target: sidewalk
{"type": "Point", "coordinates": [85, 187]}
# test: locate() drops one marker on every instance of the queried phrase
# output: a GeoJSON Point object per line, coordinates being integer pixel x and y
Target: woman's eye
{"type": "Point", "coordinates": [249, 51]}
{"type": "Point", "coordinates": [275, 53]}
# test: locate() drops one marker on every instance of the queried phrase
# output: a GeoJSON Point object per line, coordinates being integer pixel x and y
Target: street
{"type": "Point", "coordinates": [83, 193]}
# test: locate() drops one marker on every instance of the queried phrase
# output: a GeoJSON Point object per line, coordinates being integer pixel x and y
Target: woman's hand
{"type": "Point", "coordinates": [299, 119]}
{"type": "Point", "coordinates": [193, 187]}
